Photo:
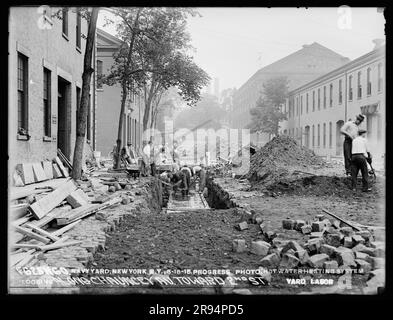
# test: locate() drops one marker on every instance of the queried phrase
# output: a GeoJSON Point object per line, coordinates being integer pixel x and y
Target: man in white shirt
{"type": "Point", "coordinates": [359, 158]}
{"type": "Point", "coordinates": [350, 130]}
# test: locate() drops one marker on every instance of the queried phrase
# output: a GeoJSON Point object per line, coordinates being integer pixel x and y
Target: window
{"type": "Point", "coordinates": [307, 103]}
{"type": "Point", "coordinates": [78, 102]}
{"type": "Point", "coordinates": [359, 85]}
{"type": "Point", "coordinates": [65, 21]}
{"type": "Point", "coordinates": [313, 136]}
{"type": "Point", "coordinates": [350, 92]}
{"type": "Point", "coordinates": [289, 108]}
{"type": "Point", "coordinates": [313, 101]}
{"type": "Point", "coordinates": [99, 74]}
{"type": "Point", "coordinates": [88, 126]}
{"type": "Point", "coordinates": [379, 77]}
{"type": "Point", "coordinates": [319, 137]}
{"type": "Point", "coordinates": [319, 99]}
{"type": "Point", "coordinates": [330, 135]}
{"type": "Point", "coordinates": [22, 94]}
{"type": "Point", "coordinates": [331, 95]}
{"type": "Point", "coordinates": [301, 105]}
{"type": "Point", "coordinates": [340, 91]}
{"type": "Point", "coordinates": [369, 81]}
{"type": "Point", "coordinates": [324, 135]}
{"type": "Point", "coordinates": [78, 29]}
{"type": "Point", "coordinates": [324, 97]}
{"type": "Point", "coordinates": [297, 105]}
{"type": "Point", "coordinates": [47, 102]}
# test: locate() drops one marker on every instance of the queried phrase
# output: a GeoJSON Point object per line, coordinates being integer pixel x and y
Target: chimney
{"type": "Point", "coordinates": [378, 43]}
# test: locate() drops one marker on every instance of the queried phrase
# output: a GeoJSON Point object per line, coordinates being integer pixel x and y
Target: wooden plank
{"type": "Point", "coordinates": [48, 169]}
{"type": "Point", "coordinates": [56, 171]}
{"type": "Point", "coordinates": [64, 159]}
{"type": "Point", "coordinates": [22, 192]}
{"type": "Point", "coordinates": [20, 221]}
{"type": "Point", "coordinates": [42, 232]}
{"type": "Point", "coordinates": [342, 220]}
{"type": "Point", "coordinates": [15, 258]}
{"type": "Point", "coordinates": [39, 173]}
{"type": "Point", "coordinates": [85, 211]}
{"type": "Point", "coordinates": [77, 213]}
{"type": "Point", "coordinates": [60, 244]}
{"type": "Point", "coordinates": [26, 170]}
{"type": "Point", "coordinates": [25, 246]}
{"type": "Point", "coordinates": [25, 261]}
{"type": "Point", "coordinates": [18, 211]}
{"type": "Point", "coordinates": [61, 166]}
{"type": "Point", "coordinates": [42, 207]}
{"type": "Point", "coordinates": [78, 198]}
{"type": "Point", "coordinates": [66, 228]}
{"type": "Point", "coordinates": [31, 234]}
{"type": "Point", "coordinates": [52, 215]}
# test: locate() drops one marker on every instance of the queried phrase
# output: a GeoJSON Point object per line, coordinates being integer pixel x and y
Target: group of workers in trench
{"type": "Point", "coordinates": [356, 152]}
{"type": "Point", "coordinates": [356, 156]}
{"type": "Point", "coordinates": [178, 176]}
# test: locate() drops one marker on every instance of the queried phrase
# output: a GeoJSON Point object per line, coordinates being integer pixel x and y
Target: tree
{"type": "Point", "coordinates": [90, 15]}
{"type": "Point", "coordinates": [267, 113]}
{"type": "Point", "coordinates": [152, 59]}
{"type": "Point", "coordinates": [124, 67]}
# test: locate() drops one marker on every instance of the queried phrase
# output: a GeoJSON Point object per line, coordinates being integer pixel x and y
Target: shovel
{"type": "Point", "coordinates": [372, 171]}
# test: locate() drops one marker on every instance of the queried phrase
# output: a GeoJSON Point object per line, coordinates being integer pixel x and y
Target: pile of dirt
{"type": "Point", "coordinates": [279, 159]}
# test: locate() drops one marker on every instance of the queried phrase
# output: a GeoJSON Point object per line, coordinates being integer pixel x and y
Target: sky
{"type": "Point", "coordinates": [231, 44]}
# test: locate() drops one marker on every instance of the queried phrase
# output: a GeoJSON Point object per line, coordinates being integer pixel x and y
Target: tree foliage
{"type": "Point", "coordinates": [267, 113]}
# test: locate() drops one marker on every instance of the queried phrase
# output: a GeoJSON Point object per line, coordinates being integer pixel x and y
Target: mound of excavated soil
{"type": "Point", "coordinates": [279, 159]}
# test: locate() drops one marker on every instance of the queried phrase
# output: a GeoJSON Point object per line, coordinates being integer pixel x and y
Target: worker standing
{"type": "Point", "coordinates": [350, 130]}
{"type": "Point", "coordinates": [188, 173]}
{"type": "Point", "coordinates": [360, 156]}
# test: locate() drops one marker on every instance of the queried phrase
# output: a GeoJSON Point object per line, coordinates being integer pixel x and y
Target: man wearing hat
{"type": "Point", "coordinates": [350, 130]}
{"type": "Point", "coordinates": [360, 156]}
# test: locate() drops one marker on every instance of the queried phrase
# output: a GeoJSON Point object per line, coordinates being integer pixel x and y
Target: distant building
{"type": "Point", "coordinates": [109, 102]}
{"type": "Point", "coordinates": [317, 110]}
{"type": "Point", "coordinates": [45, 65]}
{"type": "Point", "coordinates": [299, 67]}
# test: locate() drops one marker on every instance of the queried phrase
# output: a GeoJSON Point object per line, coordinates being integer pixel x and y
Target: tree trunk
{"type": "Point", "coordinates": [82, 113]}
{"type": "Point", "coordinates": [125, 92]}
{"type": "Point", "coordinates": [120, 126]}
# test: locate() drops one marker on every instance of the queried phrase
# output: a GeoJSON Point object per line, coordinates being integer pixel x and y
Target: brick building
{"type": "Point", "coordinates": [317, 110]}
{"type": "Point", "coordinates": [45, 65]}
{"type": "Point", "coordinates": [109, 101]}
{"type": "Point", "coordinates": [299, 67]}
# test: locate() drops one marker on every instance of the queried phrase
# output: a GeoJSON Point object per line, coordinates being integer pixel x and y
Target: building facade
{"type": "Point", "coordinates": [45, 65]}
{"type": "Point", "coordinates": [299, 68]}
{"type": "Point", "coordinates": [317, 110]}
{"type": "Point", "coordinates": [109, 102]}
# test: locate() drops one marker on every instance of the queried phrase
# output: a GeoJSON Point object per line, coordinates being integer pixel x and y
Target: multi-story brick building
{"type": "Point", "coordinates": [317, 110]}
{"type": "Point", "coordinates": [109, 102]}
{"type": "Point", "coordinates": [299, 67]}
{"type": "Point", "coordinates": [45, 65]}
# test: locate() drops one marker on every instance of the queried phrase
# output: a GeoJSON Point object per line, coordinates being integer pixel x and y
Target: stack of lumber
{"type": "Point", "coordinates": [29, 173]}
{"type": "Point", "coordinates": [61, 205]}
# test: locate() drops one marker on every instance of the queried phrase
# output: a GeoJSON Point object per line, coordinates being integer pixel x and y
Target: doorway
{"type": "Point", "coordinates": [339, 138]}
{"type": "Point", "coordinates": [63, 113]}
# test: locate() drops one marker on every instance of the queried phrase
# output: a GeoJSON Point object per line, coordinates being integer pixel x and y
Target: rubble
{"type": "Point", "coordinates": [260, 247]}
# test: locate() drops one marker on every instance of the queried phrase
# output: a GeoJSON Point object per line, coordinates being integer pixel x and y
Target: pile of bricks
{"type": "Point", "coordinates": [326, 245]}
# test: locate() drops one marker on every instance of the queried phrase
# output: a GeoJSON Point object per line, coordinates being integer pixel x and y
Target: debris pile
{"type": "Point", "coordinates": [279, 157]}
{"type": "Point", "coordinates": [327, 244]}
{"type": "Point", "coordinates": [47, 203]}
